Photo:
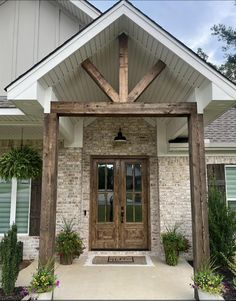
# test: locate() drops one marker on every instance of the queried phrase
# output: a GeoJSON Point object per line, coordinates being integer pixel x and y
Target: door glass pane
{"type": "Point", "coordinates": [110, 177]}
{"type": "Point", "coordinates": [138, 213]}
{"type": "Point", "coordinates": [137, 173]}
{"type": "Point", "coordinates": [101, 207]}
{"type": "Point", "coordinates": [105, 193]}
{"type": "Point", "coordinates": [129, 177]}
{"type": "Point", "coordinates": [109, 207]}
{"type": "Point", "coordinates": [22, 205]}
{"type": "Point", "coordinates": [101, 176]}
{"type": "Point", "coordinates": [129, 213]}
{"type": "Point", "coordinates": [133, 193]}
{"type": "Point", "coordinates": [129, 198]}
{"type": "Point", "coordinates": [5, 205]}
{"type": "Point", "coordinates": [138, 199]}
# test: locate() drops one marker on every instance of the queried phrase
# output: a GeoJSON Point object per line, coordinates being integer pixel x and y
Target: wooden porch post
{"type": "Point", "coordinates": [199, 207]}
{"type": "Point", "coordinates": [49, 188]}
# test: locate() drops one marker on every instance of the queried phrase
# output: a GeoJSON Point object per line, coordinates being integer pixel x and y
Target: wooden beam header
{"type": "Point", "coordinates": [107, 109]}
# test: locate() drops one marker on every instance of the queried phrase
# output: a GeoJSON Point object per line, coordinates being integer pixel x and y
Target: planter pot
{"type": "Point", "coordinates": [66, 259]}
{"type": "Point", "coordinates": [45, 296]}
{"type": "Point", "coordinates": [207, 296]}
{"type": "Point", "coordinates": [171, 254]}
{"type": "Point", "coordinates": [40, 296]}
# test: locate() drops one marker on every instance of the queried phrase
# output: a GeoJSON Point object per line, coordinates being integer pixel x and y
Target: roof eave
{"type": "Point", "coordinates": [87, 8]}
{"type": "Point", "coordinates": [157, 32]}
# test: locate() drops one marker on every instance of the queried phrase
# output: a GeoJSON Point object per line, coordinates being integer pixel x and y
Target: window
{"type": "Point", "coordinates": [14, 204]}
{"type": "Point", "coordinates": [230, 176]}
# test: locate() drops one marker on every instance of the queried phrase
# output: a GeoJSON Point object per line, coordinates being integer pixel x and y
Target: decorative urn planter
{"type": "Point", "coordinates": [207, 296]}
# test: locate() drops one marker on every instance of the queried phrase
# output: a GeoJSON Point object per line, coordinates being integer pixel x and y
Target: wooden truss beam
{"type": "Point", "coordinates": [123, 68]}
{"type": "Point", "coordinates": [100, 80]}
{"type": "Point", "coordinates": [124, 95]}
{"type": "Point", "coordinates": [144, 83]}
{"type": "Point", "coordinates": [122, 109]}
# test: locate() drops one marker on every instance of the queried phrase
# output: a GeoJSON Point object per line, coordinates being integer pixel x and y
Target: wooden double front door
{"type": "Point", "coordinates": [119, 204]}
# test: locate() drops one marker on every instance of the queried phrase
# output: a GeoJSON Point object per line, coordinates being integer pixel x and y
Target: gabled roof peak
{"type": "Point", "coordinates": [135, 16]}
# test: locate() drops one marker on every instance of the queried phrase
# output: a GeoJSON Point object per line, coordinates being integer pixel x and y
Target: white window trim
{"type": "Point", "coordinates": [228, 199]}
{"type": "Point", "coordinates": [13, 206]}
{"type": "Point", "coordinates": [13, 200]}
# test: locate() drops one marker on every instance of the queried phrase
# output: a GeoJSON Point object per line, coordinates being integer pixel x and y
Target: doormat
{"type": "Point", "coordinates": [129, 260]}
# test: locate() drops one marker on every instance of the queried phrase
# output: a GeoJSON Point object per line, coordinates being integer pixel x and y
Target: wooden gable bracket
{"type": "Point", "coordinates": [124, 95]}
{"type": "Point", "coordinates": [100, 80]}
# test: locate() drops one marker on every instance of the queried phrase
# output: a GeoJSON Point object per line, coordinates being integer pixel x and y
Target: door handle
{"type": "Point", "coordinates": [122, 214]}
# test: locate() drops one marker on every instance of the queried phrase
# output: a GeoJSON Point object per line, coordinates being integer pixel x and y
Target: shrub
{"type": "Point", "coordinates": [207, 280]}
{"type": "Point", "coordinates": [174, 243]}
{"type": "Point", "coordinates": [231, 265]}
{"type": "Point", "coordinates": [44, 279]}
{"type": "Point", "coordinates": [222, 226]}
{"type": "Point", "coordinates": [10, 260]}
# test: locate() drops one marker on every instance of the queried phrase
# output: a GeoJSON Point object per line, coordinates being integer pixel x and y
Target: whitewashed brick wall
{"type": "Point", "coordinates": [169, 179]}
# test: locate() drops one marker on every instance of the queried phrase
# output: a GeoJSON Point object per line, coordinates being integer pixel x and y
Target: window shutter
{"type": "Point", "coordinates": [216, 171]}
{"type": "Point", "coordinates": [35, 207]}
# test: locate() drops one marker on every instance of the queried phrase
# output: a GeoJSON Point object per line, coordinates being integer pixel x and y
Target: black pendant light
{"type": "Point", "coordinates": [120, 137]}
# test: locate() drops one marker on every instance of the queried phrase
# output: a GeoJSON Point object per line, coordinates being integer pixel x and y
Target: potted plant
{"type": "Point", "coordinates": [174, 243]}
{"type": "Point", "coordinates": [44, 282]}
{"type": "Point", "coordinates": [68, 243]}
{"type": "Point", "coordinates": [21, 163]}
{"type": "Point", "coordinates": [208, 283]}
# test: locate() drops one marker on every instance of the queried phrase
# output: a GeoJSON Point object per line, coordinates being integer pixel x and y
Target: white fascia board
{"type": "Point", "coordinates": [10, 111]}
{"type": "Point", "coordinates": [28, 93]}
{"type": "Point", "coordinates": [219, 94]}
{"type": "Point", "coordinates": [34, 92]}
{"type": "Point", "coordinates": [210, 92]}
{"type": "Point", "coordinates": [86, 8]}
{"type": "Point", "coordinates": [124, 8]}
{"type": "Point", "coordinates": [64, 52]}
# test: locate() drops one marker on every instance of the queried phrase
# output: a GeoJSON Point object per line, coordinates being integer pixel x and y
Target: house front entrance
{"type": "Point", "coordinates": [119, 204]}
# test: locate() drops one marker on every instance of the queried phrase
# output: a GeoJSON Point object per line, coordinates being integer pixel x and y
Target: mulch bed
{"type": "Point", "coordinates": [230, 293]}
{"type": "Point", "coordinates": [17, 294]}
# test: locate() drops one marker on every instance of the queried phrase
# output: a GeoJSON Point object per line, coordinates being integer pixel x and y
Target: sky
{"type": "Point", "coordinates": [188, 20]}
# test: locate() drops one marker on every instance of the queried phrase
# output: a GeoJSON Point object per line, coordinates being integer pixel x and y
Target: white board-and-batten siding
{"type": "Point", "coordinates": [30, 30]}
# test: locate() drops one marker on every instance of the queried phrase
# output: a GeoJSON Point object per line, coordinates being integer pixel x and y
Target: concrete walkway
{"type": "Point", "coordinates": [157, 282]}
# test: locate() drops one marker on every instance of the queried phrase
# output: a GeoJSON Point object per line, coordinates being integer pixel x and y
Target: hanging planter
{"type": "Point", "coordinates": [21, 163]}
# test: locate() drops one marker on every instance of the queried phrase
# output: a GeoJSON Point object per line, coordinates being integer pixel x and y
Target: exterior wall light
{"type": "Point", "coordinates": [120, 137]}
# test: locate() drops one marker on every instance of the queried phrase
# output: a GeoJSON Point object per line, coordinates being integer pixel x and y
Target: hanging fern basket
{"type": "Point", "coordinates": [21, 163]}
